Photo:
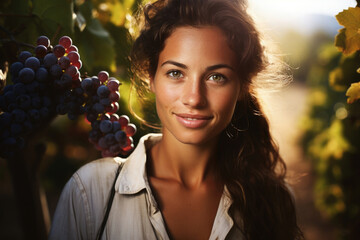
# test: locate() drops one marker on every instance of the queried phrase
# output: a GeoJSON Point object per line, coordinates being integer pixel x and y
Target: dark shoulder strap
{"type": "Point", "coordinates": [110, 201]}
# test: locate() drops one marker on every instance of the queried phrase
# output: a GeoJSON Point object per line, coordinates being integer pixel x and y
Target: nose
{"type": "Point", "coordinates": [194, 93]}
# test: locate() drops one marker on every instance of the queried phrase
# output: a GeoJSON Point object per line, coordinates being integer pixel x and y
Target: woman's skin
{"type": "Point", "coordinates": [196, 91]}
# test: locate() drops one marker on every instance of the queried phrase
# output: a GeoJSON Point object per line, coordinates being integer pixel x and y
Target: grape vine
{"type": "Point", "coordinates": [50, 83]}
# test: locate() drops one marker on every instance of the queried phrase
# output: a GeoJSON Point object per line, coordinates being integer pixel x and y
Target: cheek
{"type": "Point", "coordinates": [226, 106]}
{"type": "Point", "coordinates": [165, 97]}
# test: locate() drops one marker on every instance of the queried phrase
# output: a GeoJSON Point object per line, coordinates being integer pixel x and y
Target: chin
{"type": "Point", "coordinates": [195, 137]}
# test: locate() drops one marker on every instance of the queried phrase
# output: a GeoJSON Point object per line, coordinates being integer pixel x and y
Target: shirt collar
{"type": "Point", "coordinates": [133, 178]}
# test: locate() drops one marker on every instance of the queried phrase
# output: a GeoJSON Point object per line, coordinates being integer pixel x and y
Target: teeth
{"type": "Point", "coordinates": [190, 118]}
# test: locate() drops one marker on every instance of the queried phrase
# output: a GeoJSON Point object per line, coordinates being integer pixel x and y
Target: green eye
{"type": "Point", "coordinates": [175, 74]}
{"type": "Point", "coordinates": [217, 78]}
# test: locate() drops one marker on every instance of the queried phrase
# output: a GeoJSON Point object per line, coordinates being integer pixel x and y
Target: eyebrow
{"type": "Point", "coordinates": [210, 68]}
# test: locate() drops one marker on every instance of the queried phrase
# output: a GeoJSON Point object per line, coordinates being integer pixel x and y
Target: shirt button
{"type": "Point", "coordinates": [127, 188]}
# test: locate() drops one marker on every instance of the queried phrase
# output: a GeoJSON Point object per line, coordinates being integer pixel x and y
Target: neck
{"type": "Point", "coordinates": [188, 164]}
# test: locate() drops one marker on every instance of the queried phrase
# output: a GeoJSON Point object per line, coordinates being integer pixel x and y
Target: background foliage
{"type": "Point", "coordinates": [103, 32]}
{"type": "Point", "coordinates": [332, 127]}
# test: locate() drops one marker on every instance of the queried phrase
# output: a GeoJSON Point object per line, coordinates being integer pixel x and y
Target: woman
{"type": "Point", "coordinates": [214, 172]}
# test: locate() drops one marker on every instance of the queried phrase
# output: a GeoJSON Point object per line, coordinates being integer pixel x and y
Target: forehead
{"type": "Point", "coordinates": [201, 44]}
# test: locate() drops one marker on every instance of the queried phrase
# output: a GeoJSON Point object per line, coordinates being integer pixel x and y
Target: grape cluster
{"type": "Point", "coordinates": [50, 83]}
{"type": "Point", "coordinates": [110, 134]}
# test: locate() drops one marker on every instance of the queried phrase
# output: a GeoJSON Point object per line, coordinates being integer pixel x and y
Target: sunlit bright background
{"type": "Point", "coordinates": [290, 8]}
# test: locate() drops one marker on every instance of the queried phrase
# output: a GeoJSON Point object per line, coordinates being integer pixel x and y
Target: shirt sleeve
{"type": "Point", "coordinates": [72, 218]}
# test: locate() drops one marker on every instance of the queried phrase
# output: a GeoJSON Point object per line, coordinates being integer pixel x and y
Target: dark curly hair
{"type": "Point", "coordinates": [249, 160]}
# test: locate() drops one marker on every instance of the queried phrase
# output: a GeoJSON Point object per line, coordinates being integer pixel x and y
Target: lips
{"type": "Point", "coordinates": [192, 120]}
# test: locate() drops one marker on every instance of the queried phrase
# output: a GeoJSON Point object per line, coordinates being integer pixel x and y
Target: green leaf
{"type": "Point", "coordinates": [350, 19]}
{"type": "Point", "coordinates": [55, 11]}
{"type": "Point", "coordinates": [96, 46]}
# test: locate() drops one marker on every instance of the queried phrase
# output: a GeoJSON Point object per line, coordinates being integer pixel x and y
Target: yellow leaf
{"type": "Point", "coordinates": [340, 40]}
{"type": "Point", "coordinates": [350, 19]}
{"type": "Point", "coordinates": [118, 13]}
{"type": "Point", "coordinates": [353, 93]}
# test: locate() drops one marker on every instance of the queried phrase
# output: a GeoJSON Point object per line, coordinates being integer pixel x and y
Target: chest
{"type": "Point", "coordinates": [188, 214]}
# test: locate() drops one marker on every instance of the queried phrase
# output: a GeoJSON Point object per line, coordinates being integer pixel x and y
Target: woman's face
{"type": "Point", "coordinates": [196, 85]}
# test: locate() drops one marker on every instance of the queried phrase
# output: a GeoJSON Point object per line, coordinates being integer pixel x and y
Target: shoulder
{"type": "Point", "coordinates": [97, 174]}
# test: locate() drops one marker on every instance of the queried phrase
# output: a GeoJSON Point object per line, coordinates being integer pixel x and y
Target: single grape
{"type": "Point", "coordinates": [77, 64]}
{"type": "Point", "coordinates": [114, 117]}
{"type": "Point", "coordinates": [66, 80]}
{"type": "Point", "coordinates": [41, 74]}
{"type": "Point", "coordinates": [72, 70]}
{"type": "Point", "coordinates": [40, 51]}
{"type": "Point", "coordinates": [24, 55]}
{"type": "Point", "coordinates": [105, 126]}
{"type": "Point", "coordinates": [15, 68]}
{"type": "Point", "coordinates": [113, 85]}
{"type": "Point", "coordinates": [130, 129]}
{"type": "Point", "coordinates": [114, 107]}
{"type": "Point", "coordinates": [110, 139]}
{"type": "Point", "coordinates": [102, 143]}
{"type": "Point", "coordinates": [55, 70]}
{"type": "Point", "coordinates": [73, 56]}
{"type": "Point", "coordinates": [96, 82]}
{"type": "Point", "coordinates": [9, 97]}
{"type": "Point", "coordinates": [94, 135]}
{"type": "Point", "coordinates": [49, 60]}
{"type": "Point", "coordinates": [120, 136]}
{"type": "Point", "coordinates": [43, 41]}
{"type": "Point", "coordinates": [64, 62]}
{"type": "Point", "coordinates": [26, 75]}
{"type": "Point", "coordinates": [124, 121]}
{"type": "Point", "coordinates": [114, 150]}
{"type": "Point", "coordinates": [24, 101]}
{"type": "Point", "coordinates": [103, 91]}
{"type": "Point", "coordinates": [114, 96]}
{"type": "Point", "coordinates": [72, 48]}
{"type": "Point", "coordinates": [87, 84]}
{"type": "Point", "coordinates": [59, 51]}
{"type": "Point", "coordinates": [65, 41]}
{"type": "Point", "coordinates": [105, 116]}
{"type": "Point", "coordinates": [98, 108]}
{"type": "Point", "coordinates": [116, 127]}
{"type": "Point", "coordinates": [91, 117]}
{"type": "Point", "coordinates": [103, 76]}
{"type": "Point", "coordinates": [33, 63]}
{"type": "Point", "coordinates": [105, 101]}
{"type": "Point", "coordinates": [19, 88]}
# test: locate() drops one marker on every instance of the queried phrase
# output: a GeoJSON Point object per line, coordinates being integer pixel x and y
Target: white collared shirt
{"type": "Point", "coordinates": [134, 213]}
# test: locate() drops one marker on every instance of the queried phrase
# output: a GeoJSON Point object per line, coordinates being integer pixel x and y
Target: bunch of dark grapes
{"type": "Point", "coordinates": [111, 134]}
{"type": "Point", "coordinates": [49, 83]}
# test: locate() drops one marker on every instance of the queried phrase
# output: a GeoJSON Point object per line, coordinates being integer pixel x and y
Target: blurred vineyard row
{"type": "Point", "coordinates": [331, 130]}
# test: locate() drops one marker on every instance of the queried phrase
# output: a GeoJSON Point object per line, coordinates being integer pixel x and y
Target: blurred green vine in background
{"type": "Point", "coordinates": [332, 127]}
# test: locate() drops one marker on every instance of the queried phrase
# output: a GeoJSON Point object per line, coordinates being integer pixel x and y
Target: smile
{"type": "Point", "coordinates": [193, 121]}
